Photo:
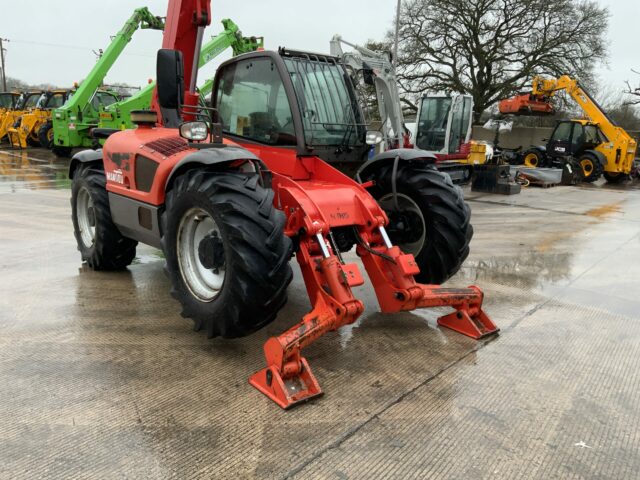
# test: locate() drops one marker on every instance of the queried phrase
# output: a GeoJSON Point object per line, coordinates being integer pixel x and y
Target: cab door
{"type": "Point", "coordinates": [560, 142]}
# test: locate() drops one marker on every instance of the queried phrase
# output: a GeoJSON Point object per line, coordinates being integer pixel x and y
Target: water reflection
{"type": "Point", "coordinates": [32, 169]}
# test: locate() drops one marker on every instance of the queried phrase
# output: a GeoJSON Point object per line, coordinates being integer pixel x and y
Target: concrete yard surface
{"type": "Point", "coordinates": [101, 378]}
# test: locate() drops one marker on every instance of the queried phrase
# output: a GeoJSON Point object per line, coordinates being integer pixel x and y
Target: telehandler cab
{"type": "Point", "coordinates": [230, 192]}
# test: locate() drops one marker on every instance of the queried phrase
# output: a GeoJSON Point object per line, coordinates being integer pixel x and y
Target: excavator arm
{"type": "Point", "coordinates": [378, 66]}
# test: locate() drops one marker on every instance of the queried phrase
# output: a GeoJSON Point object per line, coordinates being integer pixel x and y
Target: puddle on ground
{"type": "Point", "coordinates": [32, 169]}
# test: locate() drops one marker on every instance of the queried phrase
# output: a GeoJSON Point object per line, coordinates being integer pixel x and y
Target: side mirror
{"type": "Point", "coordinates": [170, 78]}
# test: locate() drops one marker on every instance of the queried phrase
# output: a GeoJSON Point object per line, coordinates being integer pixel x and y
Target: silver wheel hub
{"type": "Point", "coordinates": [200, 254]}
{"type": "Point", "coordinates": [86, 217]}
{"type": "Point", "coordinates": [407, 227]}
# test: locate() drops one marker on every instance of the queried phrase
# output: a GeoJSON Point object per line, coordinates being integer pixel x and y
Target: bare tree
{"type": "Point", "coordinates": [491, 48]}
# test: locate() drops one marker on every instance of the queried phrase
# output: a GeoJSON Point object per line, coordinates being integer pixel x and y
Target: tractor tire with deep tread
{"type": "Point", "coordinates": [45, 135]}
{"type": "Point", "coordinates": [445, 217]}
{"type": "Point", "coordinates": [100, 242]}
{"type": "Point", "coordinates": [592, 169]}
{"type": "Point", "coordinates": [252, 270]}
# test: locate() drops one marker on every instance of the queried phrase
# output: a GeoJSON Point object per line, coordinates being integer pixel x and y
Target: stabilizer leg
{"type": "Point", "coordinates": [287, 379]}
{"type": "Point", "coordinates": [391, 274]}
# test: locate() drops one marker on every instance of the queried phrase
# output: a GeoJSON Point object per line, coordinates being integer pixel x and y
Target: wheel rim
{"type": "Point", "coordinates": [407, 228]}
{"type": "Point", "coordinates": [50, 135]}
{"type": "Point", "coordinates": [202, 272]}
{"type": "Point", "coordinates": [531, 160]}
{"type": "Point", "coordinates": [587, 167]}
{"type": "Point", "coordinates": [86, 217]}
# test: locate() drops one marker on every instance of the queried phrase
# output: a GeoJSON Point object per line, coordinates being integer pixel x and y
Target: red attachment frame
{"type": "Point", "coordinates": [526, 104]}
{"type": "Point", "coordinates": [325, 199]}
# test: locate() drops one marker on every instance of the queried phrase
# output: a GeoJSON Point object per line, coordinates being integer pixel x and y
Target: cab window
{"type": "Point", "coordinates": [252, 103]}
{"type": "Point", "coordinates": [562, 133]}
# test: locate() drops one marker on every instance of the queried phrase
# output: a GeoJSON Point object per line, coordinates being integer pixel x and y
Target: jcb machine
{"type": "Point", "coordinates": [25, 131]}
{"type": "Point", "coordinates": [230, 192]}
{"type": "Point", "coordinates": [118, 115]}
{"type": "Point", "coordinates": [10, 117]}
{"type": "Point", "coordinates": [596, 146]}
{"type": "Point", "coordinates": [72, 122]}
{"type": "Point", "coordinates": [9, 104]}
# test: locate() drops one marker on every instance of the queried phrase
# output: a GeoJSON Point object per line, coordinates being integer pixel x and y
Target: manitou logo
{"type": "Point", "coordinates": [115, 176]}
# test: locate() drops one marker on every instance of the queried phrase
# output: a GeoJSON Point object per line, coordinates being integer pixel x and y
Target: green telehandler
{"type": "Point", "coordinates": [117, 115]}
{"type": "Point", "coordinates": [71, 124]}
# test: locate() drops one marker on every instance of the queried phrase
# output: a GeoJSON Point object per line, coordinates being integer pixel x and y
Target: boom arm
{"type": "Point", "coordinates": [116, 115]}
{"type": "Point", "coordinates": [549, 87]}
{"type": "Point", "coordinates": [141, 18]}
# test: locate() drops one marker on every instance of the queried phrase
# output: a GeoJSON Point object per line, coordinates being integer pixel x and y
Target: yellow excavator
{"type": "Point", "coordinates": [24, 102]}
{"type": "Point", "coordinates": [596, 144]}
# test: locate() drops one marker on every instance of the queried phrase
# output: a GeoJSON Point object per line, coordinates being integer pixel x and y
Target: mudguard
{"type": "Point", "coordinates": [403, 154]}
{"type": "Point", "coordinates": [85, 156]}
{"type": "Point", "coordinates": [214, 156]}
{"type": "Point", "coordinates": [599, 155]}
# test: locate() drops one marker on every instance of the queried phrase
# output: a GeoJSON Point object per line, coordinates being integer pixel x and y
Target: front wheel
{"type": "Point", "coordinates": [591, 168]}
{"type": "Point", "coordinates": [100, 242]}
{"type": "Point", "coordinates": [533, 158]}
{"type": "Point", "coordinates": [227, 255]}
{"type": "Point", "coordinates": [428, 218]}
{"type": "Point", "coordinates": [45, 135]}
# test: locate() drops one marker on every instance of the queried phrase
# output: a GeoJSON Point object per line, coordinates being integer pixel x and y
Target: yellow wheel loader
{"type": "Point", "coordinates": [25, 129]}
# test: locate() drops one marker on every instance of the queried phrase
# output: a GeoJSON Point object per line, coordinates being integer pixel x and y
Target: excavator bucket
{"type": "Point", "coordinates": [527, 104]}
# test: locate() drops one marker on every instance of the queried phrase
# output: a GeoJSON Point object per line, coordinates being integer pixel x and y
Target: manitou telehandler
{"type": "Point", "coordinates": [118, 115]}
{"type": "Point", "coordinates": [230, 192]}
{"type": "Point", "coordinates": [596, 146]}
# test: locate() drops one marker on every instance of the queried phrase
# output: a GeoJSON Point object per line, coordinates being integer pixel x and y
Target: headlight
{"type": "Point", "coordinates": [196, 131]}
{"type": "Point", "coordinates": [374, 137]}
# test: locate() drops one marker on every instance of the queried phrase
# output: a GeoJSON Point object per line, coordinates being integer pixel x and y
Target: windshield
{"type": "Point", "coordinates": [56, 100]}
{"type": "Point", "coordinates": [7, 100]}
{"type": "Point", "coordinates": [103, 99]}
{"type": "Point", "coordinates": [432, 124]}
{"type": "Point", "coordinates": [31, 100]}
{"type": "Point", "coordinates": [329, 111]}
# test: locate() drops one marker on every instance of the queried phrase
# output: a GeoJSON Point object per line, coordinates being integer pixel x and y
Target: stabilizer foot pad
{"type": "Point", "coordinates": [289, 391]}
{"type": "Point", "coordinates": [478, 326]}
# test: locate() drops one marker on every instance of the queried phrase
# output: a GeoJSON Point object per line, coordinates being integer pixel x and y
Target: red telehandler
{"type": "Point", "coordinates": [230, 192]}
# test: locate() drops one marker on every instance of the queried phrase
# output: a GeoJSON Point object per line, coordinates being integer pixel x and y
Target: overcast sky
{"type": "Point", "coordinates": [52, 40]}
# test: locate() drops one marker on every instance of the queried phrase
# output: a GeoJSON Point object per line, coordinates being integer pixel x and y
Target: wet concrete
{"type": "Point", "coordinates": [101, 378]}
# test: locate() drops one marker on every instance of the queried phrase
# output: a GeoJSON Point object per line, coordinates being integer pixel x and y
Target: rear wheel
{"type": "Point", "coordinates": [227, 255]}
{"type": "Point", "coordinates": [100, 242]}
{"type": "Point", "coordinates": [591, 168]}
{"type": "Point", "coordinates": [615, 177]}
{"type": "Point", "coordinates": [428, 218]}
{"type": "Point", "coordinates": [533, 158]}
{"type": "Point", "coordinates": [62, 152]}
{"type": "Point", "coordinates": [45, 135]}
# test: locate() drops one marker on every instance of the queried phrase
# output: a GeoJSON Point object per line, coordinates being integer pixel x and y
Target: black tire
{"type": "Point", "coordinates": [591, 168]}
{"type": "Point", "coordinates": [533, 158]}
{"type": "Point", "coordinates": [616, 178]}
{"type": "Point", "coordinates": [448, 230]}
{"type": "Point", "coordinates": [45, 134]}
{"type": "Point", "coordinates": [252, 251]}
{"type": "Point", "coordinates": [61, 152]}
{"type": "Point", "coordinates": [109, 250]}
